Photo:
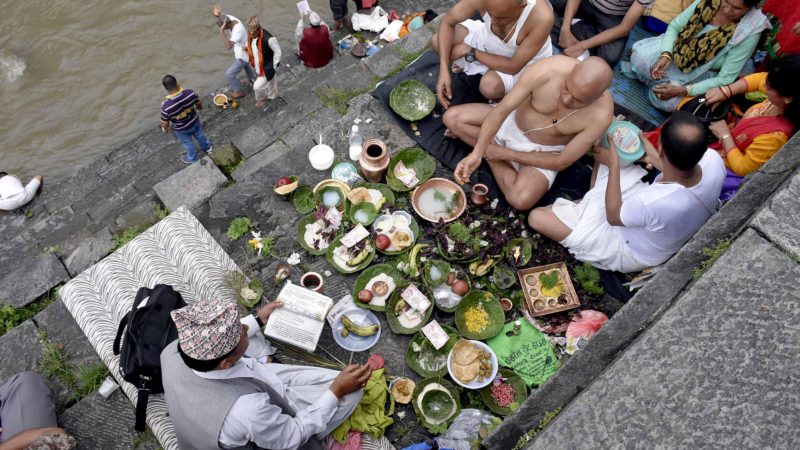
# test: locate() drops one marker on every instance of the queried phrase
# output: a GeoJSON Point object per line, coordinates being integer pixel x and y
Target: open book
{"type": "Point", "coordinates": [301, 319]}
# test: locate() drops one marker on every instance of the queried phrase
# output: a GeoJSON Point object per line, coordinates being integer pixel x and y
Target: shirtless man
{"type": "Point", "coordinates": [513, 34]}
{"type": "Point", "coordinates": [565, 106]}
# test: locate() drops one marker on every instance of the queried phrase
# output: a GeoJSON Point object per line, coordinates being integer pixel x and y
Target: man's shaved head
{"type": "Point", "coordinates": [586, 83]}
{"type": "Point", "coordinates": [592, 74]}
{"type": "Point", "coordinates": [505, 12]}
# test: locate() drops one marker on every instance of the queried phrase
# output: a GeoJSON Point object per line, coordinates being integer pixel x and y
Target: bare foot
{"type": "Point", "coordinates": [449, 134]}
{"type": "Point", "coordinates": [261, 103]}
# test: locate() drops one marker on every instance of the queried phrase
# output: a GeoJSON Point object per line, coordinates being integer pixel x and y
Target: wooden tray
{"type": "Point", "coordinates": [540, 304]}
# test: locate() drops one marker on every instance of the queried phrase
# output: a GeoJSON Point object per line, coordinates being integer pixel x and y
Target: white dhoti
{"type": "Point", "coordinates": [510, 136]}
{"type": "Point", "coordinates": [593, 239]}
{"type": "Point", "coordinates": [266, 89]}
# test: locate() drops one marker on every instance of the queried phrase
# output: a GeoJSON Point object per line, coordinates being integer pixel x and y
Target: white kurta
{"type": "Point", "coordinates": [252, 418]}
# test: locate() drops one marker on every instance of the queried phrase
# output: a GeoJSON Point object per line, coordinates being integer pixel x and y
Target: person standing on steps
{"type": "Point", "coordinates": [265, 56]}
{"type": "Point", "coordinates": [179, 112]}
{"type": "Point", "coordinates": [14, 195]}
{"type": "Point", "coordinates": [238, 42]}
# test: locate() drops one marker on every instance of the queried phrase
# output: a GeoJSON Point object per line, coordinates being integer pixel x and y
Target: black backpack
{"type": "Point", "coordinates": [147, 329]}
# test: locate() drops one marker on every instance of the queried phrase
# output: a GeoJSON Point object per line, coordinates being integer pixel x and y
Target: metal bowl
{"type": "Point", "coordinates": [442, 183]}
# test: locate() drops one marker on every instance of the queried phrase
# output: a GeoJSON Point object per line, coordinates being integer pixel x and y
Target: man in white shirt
{"type": "Point", "coordinates": [626, 225]}
{"type": "Point", "coordinates": [238, 42]}
{"type": "Point", "coordinates": [14, 195]}
{"type": "Point", "coordinates": [222, 392]}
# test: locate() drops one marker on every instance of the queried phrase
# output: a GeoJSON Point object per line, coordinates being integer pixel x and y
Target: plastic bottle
{"type": "Point", "coordinates": [355, 143]}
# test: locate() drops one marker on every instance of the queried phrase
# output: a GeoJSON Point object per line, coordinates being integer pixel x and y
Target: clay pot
{"type": "Point", "coordinates": [479, 194]}
{"type": "Point", "coordinates": [312, 281]}
{"type": "Point", "coordinates": [374, 160]}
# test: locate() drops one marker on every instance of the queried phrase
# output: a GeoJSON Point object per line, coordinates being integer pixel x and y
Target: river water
{"type": "Point", "coordinates": [78, 78]}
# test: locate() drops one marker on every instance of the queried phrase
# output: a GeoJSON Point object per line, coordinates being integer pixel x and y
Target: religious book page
{"type": "Point", "coordinates": [301, 319]}
{"type": "Point", "coordinates": [303, 7]}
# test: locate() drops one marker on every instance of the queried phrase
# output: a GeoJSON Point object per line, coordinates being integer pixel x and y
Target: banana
{"type": "Point", "coordinates": [350, 326]}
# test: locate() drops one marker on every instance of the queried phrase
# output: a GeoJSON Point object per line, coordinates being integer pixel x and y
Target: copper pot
{"type": "Point", "coordinates": [374, 160]}
{"type": "Point", "coordinates": [312, 281]}
{"type": "Point", "coordinates": [479, 194]}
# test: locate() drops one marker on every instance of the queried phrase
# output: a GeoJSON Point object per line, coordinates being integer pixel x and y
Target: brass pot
{"type": "Point", "coordinates": [374, 160]}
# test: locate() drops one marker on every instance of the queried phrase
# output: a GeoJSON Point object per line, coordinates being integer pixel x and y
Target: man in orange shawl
{"type": "Point", "coordinates": [265, 57]}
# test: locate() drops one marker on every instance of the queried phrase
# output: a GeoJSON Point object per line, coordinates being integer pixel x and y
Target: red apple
{"type": "Point", "coordinates": [283, 181]}
{"type": "Point", "coordinates": [382, 242]}
{"type": "Point", "coordinates": [460, 287]}
{"type": "Point", "coordinates": [365, 295]}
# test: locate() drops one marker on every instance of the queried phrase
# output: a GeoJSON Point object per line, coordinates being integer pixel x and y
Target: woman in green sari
{"type": "Point", "coordinates": [705, 47]}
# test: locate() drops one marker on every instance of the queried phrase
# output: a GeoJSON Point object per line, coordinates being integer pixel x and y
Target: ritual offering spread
{"type": "Point", "coordinates": [479, 315]}
{"type": "Point", "coordinates": [434, 249]}
{"type": "Point", "coordinates": [408, 168]}
{"type": "Point", "coordinates": [472, 364]}
{"type": "Point", "coordinates": [408, 310]}
{"type": "Point", "coordinates": [412, 100]}
{"type": "Point", "coordinates": [395, 232]}
{"type": "Point", "coordinates": [351, 252]}
{"type": "Point", "coordinates": [375, 285]}
{"type": "Point", "coordinates": [436, 403]}
{"type": "Point", "coordinates": [425, 358]}
{"type": "Point", "coordinates": [548, 289]}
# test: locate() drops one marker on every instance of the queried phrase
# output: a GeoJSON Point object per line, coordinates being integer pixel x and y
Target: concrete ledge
{"type": "Point", "coordinates": [779, 220]}
{"type": "Point", "coordinates": [648, 303]}
{"type": "Point", "coordinates": [32, 278]}
{"type": "Point", "coordinates": [192, 186]}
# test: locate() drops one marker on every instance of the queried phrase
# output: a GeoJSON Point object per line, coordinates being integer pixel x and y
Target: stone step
{"type": "Point", "coordinates": [31, 279]}
{"type": "Point", "coordinates": [100, 423]}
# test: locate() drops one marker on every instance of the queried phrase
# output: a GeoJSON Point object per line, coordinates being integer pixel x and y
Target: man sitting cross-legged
{"type": "Point", "coordinates": [626, 225]}
{"type": "Point", "coordinates": [513, 34]}
{"type": "Point", "coordinates": [564, 106]}
{"type": "Point", "coordinates": [222, 392]}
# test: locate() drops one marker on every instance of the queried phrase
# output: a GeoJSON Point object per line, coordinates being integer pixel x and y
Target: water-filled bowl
{"type": "Point", "coordinates": [428, 203]}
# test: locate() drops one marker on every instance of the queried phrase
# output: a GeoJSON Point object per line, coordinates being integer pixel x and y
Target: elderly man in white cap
{"type": "Point", "coordinates": [222, 393]}
{"type": "Point", "coordinates": [314, 45]}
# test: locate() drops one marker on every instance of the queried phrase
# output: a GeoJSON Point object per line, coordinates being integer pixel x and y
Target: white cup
{"type": "Point", "coordinates": [108, 387]}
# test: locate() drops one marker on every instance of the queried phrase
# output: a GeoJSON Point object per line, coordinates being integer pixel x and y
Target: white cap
{"type": "Point", "coordinates": [354, 129]}
{"type": "Point", "coordinates": [314, 19]}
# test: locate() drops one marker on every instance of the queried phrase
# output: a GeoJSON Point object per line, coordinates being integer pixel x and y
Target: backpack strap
{"type": "Point", "coordinates": [141, 409]}
{"type": "Point", "coordinates": [122, 324]}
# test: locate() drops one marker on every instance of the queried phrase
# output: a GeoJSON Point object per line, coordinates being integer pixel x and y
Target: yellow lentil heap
{"type": "Point", "coordinates": [476, 319]}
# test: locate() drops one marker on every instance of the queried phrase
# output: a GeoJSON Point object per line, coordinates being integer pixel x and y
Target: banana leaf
{"type": "Point", "coordinates": [303, 200]}
{"type": "Point", "coordinates": [367, 208]}
{"type": "Point", "coordinates": [368, 274]}
{"type": "Point", "coordinates": [387, 192]}
{"type": "Point", "coordinates": [301, 231]}
{"type": "Point", "coordinates": [414, 158]}
{"type": "Point", "coordinates": [429, 362]}
{"type": "Point", "coordinates": [525, 251]}
{"type": "Point", "coordinates": [412, 100]}
{"type": "Point", "coordinates": [520, 393]}
{"type": "Point", "coordinates": [444, 271]}
{"type": "Point", "coordinates": [337, 242]}
{"type": "Point", "coordinates": [394, 322]}
{"type": "Point", "coordinates": [437, 408]}
{"type": "Point", "coordinates": [414, 229]}
{"type": "Point", "coordinates": [318, 196]}
{"type": "Point", "coordinates": [488, 303]}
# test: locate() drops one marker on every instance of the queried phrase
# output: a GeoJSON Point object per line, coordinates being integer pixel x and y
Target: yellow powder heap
{"type": "Point", "coordinates": [476, 319]}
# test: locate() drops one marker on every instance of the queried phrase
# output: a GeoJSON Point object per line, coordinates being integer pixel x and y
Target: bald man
{"type": "Point", "coordinates": [513, 34]}
{"type": "Point", "coordinates": [554, 115]}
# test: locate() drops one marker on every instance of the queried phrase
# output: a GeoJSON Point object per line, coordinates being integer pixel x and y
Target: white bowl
{"type": "Point", "coordinates": [321, 157]}
{"type": "Point", "coordinates": [475, 384]}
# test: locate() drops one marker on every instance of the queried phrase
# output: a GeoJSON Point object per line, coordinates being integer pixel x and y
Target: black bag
{"type": "Point", "coordinates": [698, 107]}
{"type": "Point", "coordinates": [147, 329]}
